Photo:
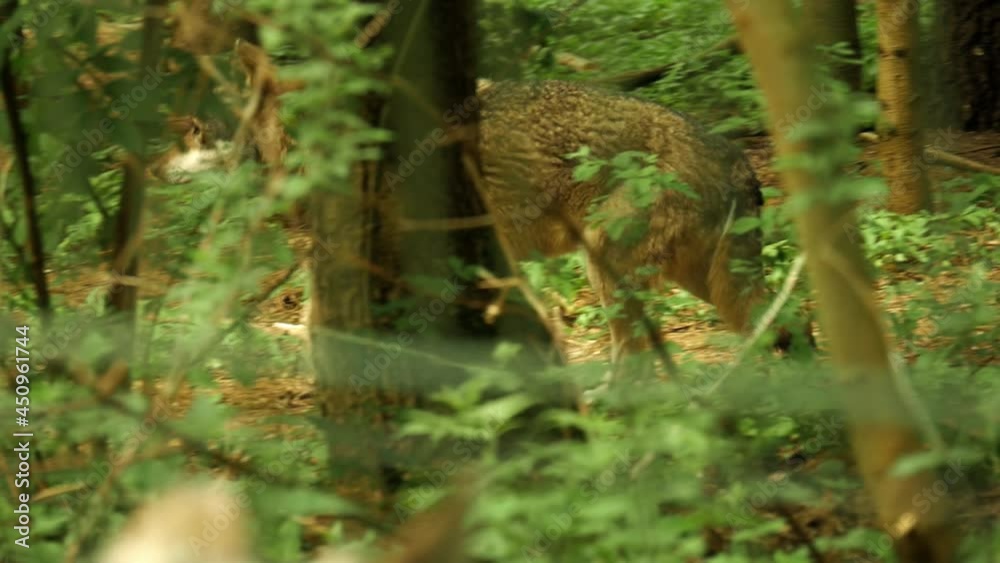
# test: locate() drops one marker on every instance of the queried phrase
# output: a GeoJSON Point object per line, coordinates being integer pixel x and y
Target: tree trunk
{"type": "Point", "coordinates": [901, 151]}
{"type": "Point", "coordinates": [880, 425]}
{"type": "Point", "coordinates": [836, 21]}
{"type": "Point", "coordinates": [973, 28]}
{"type": "Point", "coordinates": [123, 295]}
{"type": "Point", "coordinates": [433, 168]}
{"type": "Point", "coordinates": [22, 155]}
{"type": "Point", "coordinates": [428, 175]}
{"type": "Point", "coordinates": [354, 266]}
{"type": "Point", "coordinates": [938, 75]}
{"type": "Point", "coordinates": [343, 228]}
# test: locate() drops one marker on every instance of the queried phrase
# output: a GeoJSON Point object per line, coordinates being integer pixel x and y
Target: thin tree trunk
{"type": "Point", "coordinates": [909, 187]}
{"type": "Point", "coordinates": [427, 174]}
{"type": "Point", "coordinates": [124, 293]}
{"type": "Point", "coordinates": [836, 21]}
{"type": "Point", "coordinates": [880, 426]}
{"type": "Point", "coordinates": [19, 136]}
{"type": "Point", "coordinates": [434, 172]}
{"type": "Point", "coordinates": [938, 76]}
{"type": "Point", "coordinates": [973, 28]}
{"type": "Point", "coordinates": [343, 227]}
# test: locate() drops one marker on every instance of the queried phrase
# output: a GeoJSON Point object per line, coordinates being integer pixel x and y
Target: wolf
{"type": "Point", "coordinates": [526, 132]}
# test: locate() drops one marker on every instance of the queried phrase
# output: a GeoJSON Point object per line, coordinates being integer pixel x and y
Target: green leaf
{"type": "Point", "coordinates": [586, 171]}
{"type": "Point", "coordinates": [745, 225]}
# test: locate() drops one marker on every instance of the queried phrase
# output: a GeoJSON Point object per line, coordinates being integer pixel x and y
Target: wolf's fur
{"type": "Point", "coordinates": [526, 131]}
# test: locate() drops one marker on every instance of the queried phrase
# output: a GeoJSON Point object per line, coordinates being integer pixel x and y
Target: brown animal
{"type": "Point", "coordinates": [526, 132]}
{"type": "Point", "coordinates": [260, 134]}
{"type": "Point", "coordinates": [198, 148]}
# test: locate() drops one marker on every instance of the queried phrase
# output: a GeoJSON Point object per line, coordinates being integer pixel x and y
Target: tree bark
{"type": "Point", "coordinates": [973, 28]}
{"type": "Point", "coordinates": [343, 228]}
{"type": "Point", "coordinates": [880, 426]}
{"type": "Point", "coordinates": [938, 77]}
{"type": "Point", "coordinates": [428, 175]}
{"type": "Point", "coordinates": [909, 187]}
{"type": "Point", "coordinates": [123, 294]}
{"type": "Point", "coordinates": [836, 21]}
{"type": "Point", "coordinates": [436, 121]}
{"type": "Point", "coordinates": [19, 137]}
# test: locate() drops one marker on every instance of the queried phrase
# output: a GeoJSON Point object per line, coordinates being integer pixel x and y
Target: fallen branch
{"type": "Point", "coordinates": [934, 155]}
{"type": "Point", "coordinates": [638, 78]}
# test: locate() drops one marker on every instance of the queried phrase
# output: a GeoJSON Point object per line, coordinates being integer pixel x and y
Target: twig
{"type": "Point", "coordinates": [651, 328]}
{"type": "Point", "coordinates": [638, 78]}
{"type": "Point", "coordinates": [935, 155]}
{"type": "Point", "coordinates": [766, 320]}
{"type": "Point", "coordinates": [128, 228]}
{"type": "Point", "coordinates": [449, 224]}
{"type": "Point", "coordinates": [509, 255]}
{"type": "Point", "coordinates": [20, 139]}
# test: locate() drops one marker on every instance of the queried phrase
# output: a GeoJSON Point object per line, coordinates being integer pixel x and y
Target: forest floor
{"type": "Point", "coordinates": [290, 392]}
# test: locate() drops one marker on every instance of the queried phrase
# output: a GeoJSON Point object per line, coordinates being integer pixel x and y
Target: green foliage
{"type": "Point", "coordinates": [669, 470]}
{"type": "Point", "coordinates": [208, 249]}
{"type": "Point", "coordinates": [946, 238]}
{"type": "Point", "coordinates": [685, 37]}
{"type": "Point", "coordinates": [640, 183]}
